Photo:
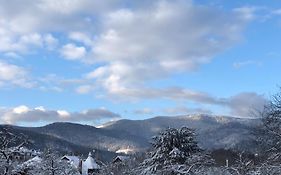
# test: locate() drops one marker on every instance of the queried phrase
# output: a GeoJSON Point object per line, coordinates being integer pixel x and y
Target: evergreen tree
{"type": "Point", "coordinates": [174, 151]}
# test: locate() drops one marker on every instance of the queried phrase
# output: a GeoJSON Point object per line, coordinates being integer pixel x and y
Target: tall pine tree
{"type": "Point", "coordinates": [175, 151]}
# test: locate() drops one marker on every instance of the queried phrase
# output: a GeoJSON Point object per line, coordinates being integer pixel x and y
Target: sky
{"type": "Point", "coordinates": [92, 61]}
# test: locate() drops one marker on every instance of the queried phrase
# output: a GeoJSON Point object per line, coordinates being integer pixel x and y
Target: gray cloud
{"type": "Point", "coordinates": [144, 111]}
{"type": "Point", "coordinates": [182, 110]}
{"type": "Point", "coordinates": [23, 114]}
{"type": "Point", "coordinates": [245, 104]}
{"type": "Point", "coordinates": [241, 105]}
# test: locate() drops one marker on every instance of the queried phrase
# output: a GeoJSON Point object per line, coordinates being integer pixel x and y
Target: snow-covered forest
{"type": "Point", "coordinates": [173, 152]}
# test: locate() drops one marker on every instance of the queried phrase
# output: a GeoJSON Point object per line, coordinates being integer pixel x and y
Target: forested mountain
{"type": "Point", "coordinates": [213, 132]}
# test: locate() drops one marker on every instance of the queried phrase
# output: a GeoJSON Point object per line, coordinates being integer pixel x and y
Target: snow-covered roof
{"type": "Point", "coordinates": [72, 159]}
{"type": "Point", "coordinates": [24, 150]}
{"type": "Point", "coordinates": [90, 163]}
{"type": "Point", "coordinates": [122, 158]}
{"type": "Point", "coordinates": [35, 160]}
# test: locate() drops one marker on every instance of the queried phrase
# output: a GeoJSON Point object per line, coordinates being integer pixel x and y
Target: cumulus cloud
{"type": "Point", "coordinates": [148, 41]}
{"type": "Point", "coordinates": [246, 104]}
{"type": "Point", "coordinates": [81, 37]}
{"type": "Point", "coordinates": [11, 74]}
{"type": "Point", "coordinates": [24, 114]}
{"type": "Point", "coordinates": [33, 19]}
{"type": "Point", "coordinates": [133, 45]}
{"type": "Point", "coordinates": [181, 110]}
{"type": "Point", "coordinates": [73, 52]}
{"type": "Point", "coordinates": [170, 37]}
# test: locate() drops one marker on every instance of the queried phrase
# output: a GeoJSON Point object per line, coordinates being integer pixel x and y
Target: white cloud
{"type": "Point", "coordinates": [168, 32]}
{"type": "Point", "coordinates": [170, 37]}
{"type": "Point", "coordinates": [81, 37]}
{"type": "Point", "coordinates": [14, 75]}
{"type": "Point", "coordinates": [247, 13]}
{"type": "Point", "coordinates": [84, 89]}
{"type": "Point", "coordinates": [23, 114]}
{"type": "Point", "coordinates": [276, 12]}
{"type": "Point", "coordinates": [238, 65]}
{"type": "Point", "coordinates": [182, 110]}
{"type": "Point", "coordinates": [22, 24]}
{"type": "Point", "coordinates": [50, 41]}
{"type": "Point", "coordinates": [20, 109]}
{"type": "Point", "coordinates": [73, 52]}
{"type": "Point", "coordinates": [153, 41]}
{"type": "Point", "coordinates": [144, 111]}
{"type": "Point", "coordinates": [150, 41]}
{"type": "Point", "coordinates": [31, 39]}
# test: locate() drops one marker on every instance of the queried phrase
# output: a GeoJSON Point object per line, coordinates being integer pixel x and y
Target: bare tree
{"type": "Point", "coordinates": [52, 164]}
{"type": "Point", "coordinates": [269, 136]}
{"type": "Point", "coordinates": [242, 166]}
{"type": "Point", "coordinates": [10, 144]}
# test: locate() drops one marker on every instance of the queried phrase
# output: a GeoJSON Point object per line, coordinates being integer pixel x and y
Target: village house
{"type": "Point", "coordinates": [120, 159]}
{"type": "Point", "coordinates": [86, 167]}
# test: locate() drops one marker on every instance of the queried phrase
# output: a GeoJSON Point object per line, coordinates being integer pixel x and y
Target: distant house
{"type": "Point", "coordinates": [119, 159]}
{"type": "Point", "coordinates": [90, 166]}
{"type": "Point", "coordinates": [87, 167]}
{"type": "Point", "coordinates": [22, 153]}
{"type": "Point", "coordinates": [34, 161]}
{"type": "Point", "coordinates": [74, 160]}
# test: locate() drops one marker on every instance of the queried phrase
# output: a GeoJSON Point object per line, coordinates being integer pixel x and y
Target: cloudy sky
{"type": "Point", "coordinates": [92, 61]}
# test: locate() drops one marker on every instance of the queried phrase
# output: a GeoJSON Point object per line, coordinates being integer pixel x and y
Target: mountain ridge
{"type": "Point", "coordinates": [214, 132]}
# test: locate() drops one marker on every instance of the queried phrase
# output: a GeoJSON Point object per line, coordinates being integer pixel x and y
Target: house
{"type": "Point", "coordinates": [90, 166]}
{"type": "Point", "coordinates": [74, 160]}
{"type": "Point", "coordinates": [22, 153]}
{"type": "Point", "coordinates": [86, 167]}
{"type": "Point", "coordinates": [33, 162]}
{"type": "Point", "coordinates": [119, 159]}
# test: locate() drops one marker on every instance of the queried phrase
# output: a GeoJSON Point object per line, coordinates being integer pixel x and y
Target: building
{"type": "Point", "coordinates": [90, 166]}
{"type": "Point", "coordinates": [86, 167]}
{"type": "Point", "coordinates": [74, 160]}
{"type": "Point", "coordinates": [120, 159]}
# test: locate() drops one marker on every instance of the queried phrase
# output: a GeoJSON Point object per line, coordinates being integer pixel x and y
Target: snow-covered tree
{"type": "Point", "coordinates": [242, 166]}
{"type": "Point", "coordinates": [270, 129]}
{"type": "Point", "coordinates": [175, 151]}
{"type": "Point", "coordinates": [51, 164]}
{"type": "Point", "coordinates": [123, 167]}
{"type": "Point", "coordinates": [48, 163]}
{"type": "Point", "coordinates": [10, 144]}
{"type": "Point", "coordinates": [269, 136]}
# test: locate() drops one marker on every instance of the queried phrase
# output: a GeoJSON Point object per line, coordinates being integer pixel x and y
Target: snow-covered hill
{"type": "Point", "coordinates": [213, 131]}
{"type": "Point", "coordinates": [134, 135]}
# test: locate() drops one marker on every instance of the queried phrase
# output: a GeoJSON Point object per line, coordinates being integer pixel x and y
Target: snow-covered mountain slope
{"type": "Point", "coordinates": [134, 135]}
{"type": "Point", "coordinates": [213, 131]}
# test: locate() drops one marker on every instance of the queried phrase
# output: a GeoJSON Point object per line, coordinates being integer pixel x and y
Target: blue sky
{"type": "Point", "coordinates": [90, 61]}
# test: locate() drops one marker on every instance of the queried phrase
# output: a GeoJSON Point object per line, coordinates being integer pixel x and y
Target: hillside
{"type": "Point", "coordinates": [214, 132]}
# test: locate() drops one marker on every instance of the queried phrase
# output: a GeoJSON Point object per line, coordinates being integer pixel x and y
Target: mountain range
{"type": "Point", "coordinates": [125, 136]}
